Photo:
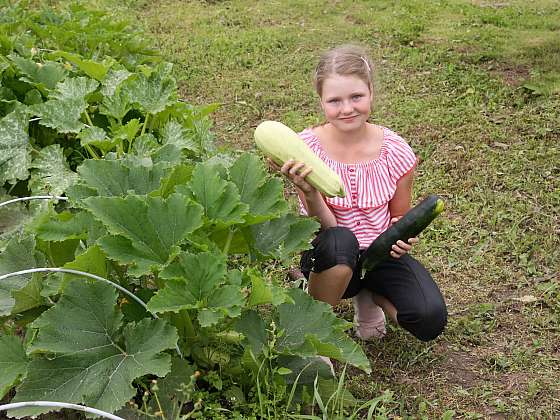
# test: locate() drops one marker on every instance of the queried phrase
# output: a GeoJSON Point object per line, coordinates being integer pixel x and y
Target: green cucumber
{"type": "Point", "coordinates": [410, 225]}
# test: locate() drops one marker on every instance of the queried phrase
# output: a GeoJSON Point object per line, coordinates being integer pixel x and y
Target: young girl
{"type": "Point", "coordinates": [377, 168]}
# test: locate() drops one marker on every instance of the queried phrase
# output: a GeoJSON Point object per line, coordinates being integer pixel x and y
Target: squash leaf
{"type": "Point", "coordinates": [153, 93]}
{"type": "Point", "coordinates": [62, 115]}
{"type": "Point", "coordinates": [321, 333]}
{"type": "Point", "coordinates": [172, 394]}
{"type": "Point", "coordinates": [13, 363]}
{"type": "Point", "coordinates": [174, 133]}
{"type": "Point", "coordinates": [19, 254]}
{"type": "Point", "coordinates": [43, 76]}
{"type": "Point", "coordinates": [145, 230]}
{"type": "Point", "coordinates": [92, 68]}
{"type": "Point", "coordinates": [282, 237]}
{"type": "Point", "coordinates": [198, 282]}
{"type": "Point", "coordinates": [74, 88]}
{"type": "Point", "coordinates": [219, 198]}
{"type": "Point", "coordinates": [263, 194]}
{"type": "Point", "coordinates": [116, 105]}
{"type": "Point", "coordinates": [14, 146]}
{"type": "Point", "coordinates": [52, 174]}
{"type": "Point", "coordinates": [83, 354]}
{"type": "Point", "coordinates": [56, 227]}
{"type": "Point", "coordinates": [253, 328]}
{"type": "Point", "coordinates": [119, 178]}
{"type": "Point", "coordinates": [113, 80]}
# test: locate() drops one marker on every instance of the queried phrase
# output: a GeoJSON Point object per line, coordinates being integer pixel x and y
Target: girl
{"type": "Point", "coordinates": [377, 169]}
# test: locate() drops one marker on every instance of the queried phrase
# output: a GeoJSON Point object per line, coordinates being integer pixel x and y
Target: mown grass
{"type": "Point", "coordinates": [475, 88]}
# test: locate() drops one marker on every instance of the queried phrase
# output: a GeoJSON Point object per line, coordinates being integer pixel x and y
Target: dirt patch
{"type": "Point", "coordinates": [492, 4]}
{"type": "Point", "coordinates": [461, 368]}
{"type": "Point", "coordinates": [512, 75]}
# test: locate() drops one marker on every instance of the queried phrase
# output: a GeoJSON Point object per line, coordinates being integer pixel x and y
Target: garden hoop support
{"type": "Point", "coordinates": [34, 197]}
{"type": "Point", "coordinates": [92, 276]}
{"type": "Point", "coordinates": [90, 410]}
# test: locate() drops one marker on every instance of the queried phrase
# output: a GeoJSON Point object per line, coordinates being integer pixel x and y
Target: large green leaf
{"type": "Point", "coordinates": [15, 156]}
{"type": "Point", "coordinates": [14, 216]}
{"type": "Point", "coordinates": [19, 254]}
{"type": "Point", "coordinates": [147, 230]}
{"type": "Point", "coordinates": [44, 76]}
{"type": "Point", "coordinates": [154, 92]}
{"type": "Point", "coordinates": [313, 329]}
{"type": "Point", "coordinates": [95, 136]}
{"type": "Point", "coordinates": [92, 261]}
{"type": "Point", "coordinates": [263, 292]}
{"type": "Point", "coordinates": [52, 226]}
{"type": "Point", "coordinates": [119, 178]}
{"type": "Point", "coordinates": [113, 80]}
{"type": "Point", "coordinates": [253, 328]}
{"type": "Point", "coordinates": [92, 68]}
{"type": "Point", "coordinates": [220, 198]}
{"type": "Point", "coordinates": [262, 193]}
{"type": "Point", "coordinates": [83, 354]}
{"type": "Point", "coordinates": [74, 88]}
{"type": "Point", "coordinates": [62, 115]}
{"type": "Point", "coordinates": [116, 105]}
{"type": "Point", "coordinates": [52, 174]}
{"type": "Point", "coordinates": [13, 363]}
{"type": "Point", "coordinates": [29, 296]}
{"type": "Point", "coordinates": [198, 282]}
{"type": "Point", "coordinates": [174, 133]}
{"type": "Point", "coordinates": [282, 237]}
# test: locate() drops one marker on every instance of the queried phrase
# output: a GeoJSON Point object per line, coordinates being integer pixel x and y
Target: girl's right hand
{"type": "Point", "coordinates": [296, 172]}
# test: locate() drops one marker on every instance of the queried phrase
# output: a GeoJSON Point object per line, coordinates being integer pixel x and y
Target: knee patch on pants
{"type": "Point", "coordinates": [332, 246]}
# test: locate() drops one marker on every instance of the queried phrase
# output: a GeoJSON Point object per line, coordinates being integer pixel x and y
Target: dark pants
{"type": "Point", "coordinates": [403, 281]}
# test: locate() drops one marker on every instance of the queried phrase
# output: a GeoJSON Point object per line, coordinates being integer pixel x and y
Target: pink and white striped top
{"type": "Point", "coordinates": [369, 185]}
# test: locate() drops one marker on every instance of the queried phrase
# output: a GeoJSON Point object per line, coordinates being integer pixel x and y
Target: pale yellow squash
{"type": "Point", "coordinates": [280, 143]}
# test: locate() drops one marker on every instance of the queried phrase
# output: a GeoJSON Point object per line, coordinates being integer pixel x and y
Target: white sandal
{"type": "Point", "coordinates": [369, 319]}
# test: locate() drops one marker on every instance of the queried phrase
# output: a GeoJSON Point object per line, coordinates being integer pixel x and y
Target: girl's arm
{"type": "Point", "coordinates": [401, 201]}
{"type": "Point", "coordinates": [311, 198]}
{"type": "Point", "coordinates": [398, 206]}
{"type": "Point", "coordinates": [317, 207]}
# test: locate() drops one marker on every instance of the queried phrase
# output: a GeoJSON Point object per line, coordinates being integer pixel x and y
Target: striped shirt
{"type": "Point", "coordinates": [369, 185]}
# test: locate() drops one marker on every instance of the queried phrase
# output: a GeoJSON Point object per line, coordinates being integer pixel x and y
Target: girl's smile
{"type": "Point", "coordinates": [346, 101]}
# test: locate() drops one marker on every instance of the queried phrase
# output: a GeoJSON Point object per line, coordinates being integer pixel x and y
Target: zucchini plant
{"type": "Point", "coordinates": [187, 238]}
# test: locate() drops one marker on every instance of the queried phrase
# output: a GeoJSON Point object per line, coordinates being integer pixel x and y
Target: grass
{"type": "Point", "coordinates": [474, 86]}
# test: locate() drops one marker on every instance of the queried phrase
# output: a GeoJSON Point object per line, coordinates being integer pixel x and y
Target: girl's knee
{"type": "Point", "coordinates": [333, 246]}
{"type": "Point", "coordinates": [426, 324]}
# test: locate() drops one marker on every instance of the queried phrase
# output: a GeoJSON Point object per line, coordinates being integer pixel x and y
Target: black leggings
{"type": "Point", "coordinates": [403, 281]}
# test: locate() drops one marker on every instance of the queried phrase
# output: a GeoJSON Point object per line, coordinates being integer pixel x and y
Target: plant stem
{"type": "Point", "coordinates": [228, 241]}
{"type": "Point", "coordinates": [189, 328]}
{"type": "Point", "coordinates": [88, 119]}
{"type": "Point", "coordinates": [91, 151]}
{"type": "Point", "coordinates": [145, 124]}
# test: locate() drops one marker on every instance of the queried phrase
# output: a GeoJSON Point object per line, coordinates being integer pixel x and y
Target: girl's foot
{"type": "Point", "coordinates": [369, 318]}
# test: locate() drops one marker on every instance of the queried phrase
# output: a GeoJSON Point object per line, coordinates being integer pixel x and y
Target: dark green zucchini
{"type": "Point", "coordinates": [410, 225]}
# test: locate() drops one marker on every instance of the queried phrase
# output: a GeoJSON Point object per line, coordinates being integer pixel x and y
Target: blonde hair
{"type": "Point", "coordinates": [345, 60]}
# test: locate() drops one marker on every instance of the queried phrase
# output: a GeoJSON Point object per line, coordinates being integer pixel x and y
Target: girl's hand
{"type": "Point", "coordinates": [401, 247]}
{"type": "Point", "coordinates": [296, 172]}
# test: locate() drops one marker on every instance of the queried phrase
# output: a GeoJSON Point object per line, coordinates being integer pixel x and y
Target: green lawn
{"type": "Point", "coordinates": [474, 86]}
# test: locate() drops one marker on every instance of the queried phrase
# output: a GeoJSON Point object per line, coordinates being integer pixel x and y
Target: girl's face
{"type": "Point", "coordinates": [346, 102]}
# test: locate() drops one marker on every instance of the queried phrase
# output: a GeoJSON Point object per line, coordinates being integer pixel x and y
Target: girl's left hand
{"type": "Point", "coordinates": [401, 247]}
